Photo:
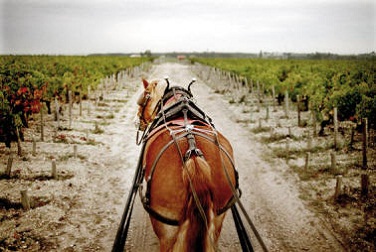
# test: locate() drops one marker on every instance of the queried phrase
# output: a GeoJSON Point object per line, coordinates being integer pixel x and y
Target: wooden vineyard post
{"type": "Point", "coordinates": [75, 151]}
{"type": "Point", "coordinates": [88, 99]}
{"type": "Point", "coordinates": [57, 110]}
{"type": "Point", "coordinates": [89, 92]}
{"type": "Point", "coordinates": [273, 94]}
{"type": "Point", "coordinates": [307, 158]}
{"type": "Point", "coordinates": [364, 143]}
{"type": "Point", "coordinates": [338, 190]}
{"type": "Point", "coordinates": [53, 169]}
{"type": "Point", "coordinates": [271, 132]}
{"type": "Point", "coordinates": [352, 138]}
{"type": "Point", "coordinates": [70, 108]}
{"type": "Point", "coordinates": [228, 78]}
{"type": "Point", "coordinates": [25, 201]}
{"type": "Point", "coordinates": [19, 149]}
{"type": "Point", "coordinates": [34, 146]}
{"type": "Point", "coordinates": [104, 86]}
{"type": "Point", "coordinates": [9, 165]}
{"type": "Point", "coordinates": [335, 118]}
{"type": "Point", "coordinates": [288, 145]}
{"type": "Point", "coordinates": [287, 104]}
{"type": "Point", "coordinates": [309, 141]}
{"type": "Point", "coordinates": [314, 123]}
{"type": "Point", "coordinates": [246, 84]}
{"type": "Point", "coordinates": [41, 124]}
{"type": "Point", "coordinates": [289, 131]}
{"type": "Point", "coordinates": [258, 96]}
{"type": "Point", "coordinates": [96, 100]}
{"type": "Point", "coordinates": [365, 175]}
{"type": "Point", "coordinates": [364, 185]}
{"type": "Point", "coordinates": [333, 161]}
{"type": "Point", "coordinates": [298, 105]}
{"type": "Point", "coordinates": [80, 100]}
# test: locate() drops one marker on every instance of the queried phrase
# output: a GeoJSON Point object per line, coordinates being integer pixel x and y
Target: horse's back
{"type": "Point", "coordinates": [163, 162]}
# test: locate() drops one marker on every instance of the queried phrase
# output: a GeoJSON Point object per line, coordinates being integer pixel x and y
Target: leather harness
{"type": "Point", "coordinates": [183, 120]}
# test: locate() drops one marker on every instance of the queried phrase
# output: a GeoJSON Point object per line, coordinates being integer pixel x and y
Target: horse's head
{"type": "Point", "coordinates": [156, 96]}
{"type": "Point", "coordinates": [148, 101]}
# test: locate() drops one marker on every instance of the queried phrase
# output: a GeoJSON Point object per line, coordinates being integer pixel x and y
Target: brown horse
{"type": "Point", "coordinates": [188, 167]}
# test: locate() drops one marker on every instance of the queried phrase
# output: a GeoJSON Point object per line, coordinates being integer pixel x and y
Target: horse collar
{"type": "Point", "coordinates": [173, 92]}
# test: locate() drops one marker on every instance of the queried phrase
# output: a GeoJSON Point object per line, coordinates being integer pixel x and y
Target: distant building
{"type": "Point", "coordinates": [181, 57]}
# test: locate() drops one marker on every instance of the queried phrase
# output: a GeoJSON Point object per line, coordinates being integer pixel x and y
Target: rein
{"type": "Point", "coordinates": [184, 108]}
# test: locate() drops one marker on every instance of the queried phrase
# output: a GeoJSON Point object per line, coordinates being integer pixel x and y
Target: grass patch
{"type": "Point", "coordinates": [97, 129]}
{"type": "Point", "coordinates": [276, 137]}
{"type": "Point", "coordinates": [116, 100]}
{"type": "Point", "coordinates": [103, 104]}
{"type": "Point", "coordinates": [69, 156]}
{"type": "Point", "coordinates": [282, 152]}
{"type": "Point", "coordinates": [92, 142]}
{"type": "Point", "coordinates": [260, 130]}
{"type": "Point", "coordinates": [109, 116]}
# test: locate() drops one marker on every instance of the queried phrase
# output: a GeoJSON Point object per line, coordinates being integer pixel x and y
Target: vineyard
{"type": "Point", "coordinates": [317, 116]}
{"type": "Point", "coordinates": [28, 81]}
{"type": "Point", "coordinates": [348, 85]}
{"type": "Point", "coordinates": [60, 178]}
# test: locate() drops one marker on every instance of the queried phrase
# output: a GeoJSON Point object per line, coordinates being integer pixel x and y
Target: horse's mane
{"type": "Point", "coordinates": [160, 89]}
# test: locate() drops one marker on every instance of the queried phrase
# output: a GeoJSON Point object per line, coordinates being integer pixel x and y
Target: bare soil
{"type": "Point", "coordinates": [80, 210]}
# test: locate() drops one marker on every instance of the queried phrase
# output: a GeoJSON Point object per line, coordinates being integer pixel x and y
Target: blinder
{"type": "Point", "coordinates": [143, 99]}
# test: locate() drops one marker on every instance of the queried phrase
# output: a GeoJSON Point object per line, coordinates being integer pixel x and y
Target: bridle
{"type": "Point", "coordinates": [143, 101]}
{"type": "Point", "coordinates": [143, 123]}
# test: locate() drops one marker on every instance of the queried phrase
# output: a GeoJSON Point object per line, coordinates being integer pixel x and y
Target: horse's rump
{"type": "Point", "coordinates": [168, 187]}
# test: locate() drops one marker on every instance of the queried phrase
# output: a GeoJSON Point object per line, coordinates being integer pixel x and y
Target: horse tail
{"type": "Point", "coordinates": [199, 204]}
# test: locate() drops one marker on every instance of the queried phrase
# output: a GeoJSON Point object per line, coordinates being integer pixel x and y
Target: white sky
{"type": "Point", "coordinates": [109, 26]}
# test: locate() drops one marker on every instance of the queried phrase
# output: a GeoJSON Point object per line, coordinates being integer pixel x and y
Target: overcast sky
{"type": "Point", "coordinates": [109, 26]}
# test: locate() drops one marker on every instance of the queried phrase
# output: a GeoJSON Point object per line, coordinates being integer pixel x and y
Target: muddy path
{"type": "Point", "coordinates": [81, 210]}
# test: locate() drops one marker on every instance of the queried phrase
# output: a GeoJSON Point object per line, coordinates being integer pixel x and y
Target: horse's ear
{"type": "Point", "coordinates": [145, 82]}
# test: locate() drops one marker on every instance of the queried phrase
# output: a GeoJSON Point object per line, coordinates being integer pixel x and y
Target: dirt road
{"type": "Point", "coordinates": [269, 191]}
{"type": "Point", "coordinates": [83, 208]}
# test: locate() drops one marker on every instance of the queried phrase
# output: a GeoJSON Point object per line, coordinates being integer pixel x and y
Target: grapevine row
{"type": "Point", "coordinates": [349, 85]}
{"type": "Point", "coordinates": [27, 81]}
